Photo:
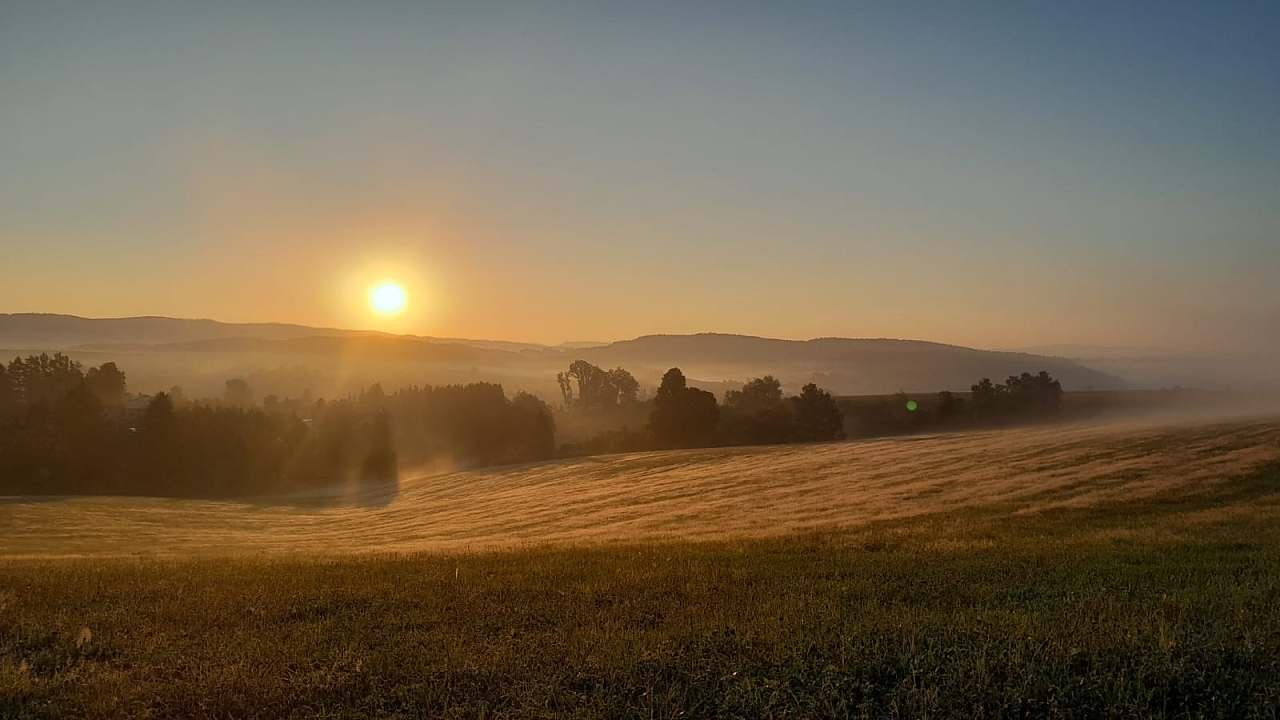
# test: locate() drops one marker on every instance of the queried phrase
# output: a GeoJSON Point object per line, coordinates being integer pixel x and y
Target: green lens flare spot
{"type": "Point", "coordinates": [912, 405]}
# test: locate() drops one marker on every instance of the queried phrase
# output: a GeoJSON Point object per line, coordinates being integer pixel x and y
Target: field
{"type": "Point", "coordinates": [1126, 569]}
{"type": "Point", "coordinates": [680, 495]}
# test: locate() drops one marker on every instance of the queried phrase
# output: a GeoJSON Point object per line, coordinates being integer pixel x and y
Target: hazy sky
{"type": "Point", "coordinates": [987, 173]}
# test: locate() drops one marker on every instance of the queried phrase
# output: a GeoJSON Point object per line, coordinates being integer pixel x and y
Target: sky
{"type": "Point", "coordinates": [996, 174]}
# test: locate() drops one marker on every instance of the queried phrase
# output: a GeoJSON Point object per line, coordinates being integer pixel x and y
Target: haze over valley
{"type": "Point", "coordinates": [200, 355]}
{"type": "Point", "coordinates": [547, 359]}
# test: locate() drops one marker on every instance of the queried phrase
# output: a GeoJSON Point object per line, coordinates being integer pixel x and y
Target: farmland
{"type": "Point", "coordinates": [1129, 569]}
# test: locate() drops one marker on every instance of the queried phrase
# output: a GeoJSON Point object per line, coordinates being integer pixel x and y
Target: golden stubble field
{"type": "Point", "coordinates": [694, 494]}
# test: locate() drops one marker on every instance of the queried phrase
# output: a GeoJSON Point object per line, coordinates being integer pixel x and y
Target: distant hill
{"type": "Point", "coordinates": [203, 352]}
{"type": "Point", "coordinates": [50, 331]}
{"type": "Point", "coordinates": [1167, 368]}
{"type": "Point", "coordinates": [846, 365]}
{"type": "Point", "coordinates": [382, 347]}
{"type": "Point", "coordinates": [40, 330]}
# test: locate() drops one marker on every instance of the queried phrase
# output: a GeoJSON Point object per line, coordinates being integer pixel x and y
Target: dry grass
{"type": "Point", "coordinates": [682, 495]}
{"type": "Point", "coordinates": [1149, 590]}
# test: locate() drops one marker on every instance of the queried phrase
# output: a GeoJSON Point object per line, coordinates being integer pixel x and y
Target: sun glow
{"type": "Point", "coordinates": [387, 298]}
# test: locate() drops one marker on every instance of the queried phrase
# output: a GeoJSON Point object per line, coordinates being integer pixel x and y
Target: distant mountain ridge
{"type": "Point", "coordinates": [844, 365]}
{"type": "Point", "coordinates": [848, 365]}
{"type": "Point", "coordinates": [54, 331]}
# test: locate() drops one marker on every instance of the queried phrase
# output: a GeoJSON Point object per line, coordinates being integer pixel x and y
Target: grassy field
{"type": "Point", "coordinates": [1071, 596]}
{"type": "Point", "coordinates": [705, 494]}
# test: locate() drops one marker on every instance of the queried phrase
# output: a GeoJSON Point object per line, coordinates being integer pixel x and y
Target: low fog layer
{"type": "Point", "coordinates": [287, 360]}
{"type": "Point", "coordinates": [697, 494]}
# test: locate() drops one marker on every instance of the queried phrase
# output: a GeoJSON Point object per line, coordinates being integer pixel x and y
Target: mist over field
{"type": "Point", "coordinates": [545, 359]}
{"type": "Point", "coordinates": [682, 495]}
{"type": "Point", "coordinates": [286, 360]}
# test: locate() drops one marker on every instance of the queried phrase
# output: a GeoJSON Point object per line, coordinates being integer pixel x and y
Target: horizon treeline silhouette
{"type": "Point", "coordinates": [681, 416]}
{"type": "Point", "coordinates": [68, 430]}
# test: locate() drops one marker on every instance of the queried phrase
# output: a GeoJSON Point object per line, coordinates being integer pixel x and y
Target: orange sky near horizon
{"type": "Point", "coordinates": [536, 174]}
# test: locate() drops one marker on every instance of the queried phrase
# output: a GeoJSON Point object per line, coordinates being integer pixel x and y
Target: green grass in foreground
{"type": "Point", "coordinates": [1168, 608]}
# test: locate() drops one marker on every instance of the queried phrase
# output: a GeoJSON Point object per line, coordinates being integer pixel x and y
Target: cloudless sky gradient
{"type": "Point", "coordinates": [992, 174]}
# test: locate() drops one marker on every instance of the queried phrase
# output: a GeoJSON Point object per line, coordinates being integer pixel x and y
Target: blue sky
{"type": "Point", "coordinates": [993, 174]}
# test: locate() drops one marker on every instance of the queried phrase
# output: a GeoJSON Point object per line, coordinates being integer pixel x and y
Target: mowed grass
{"type": "Point", "coordinates": [704, 494]}
{"type": "Point", "coordinates": [1165, 607]}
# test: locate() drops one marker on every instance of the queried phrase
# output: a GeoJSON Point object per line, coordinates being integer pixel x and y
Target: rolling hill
{"type": "Point", "coordinates": [848, 366]}
{"type": "Point", "coordinates": [684, 494]}
{"type": "Point", "coordinates": [54, 331]}
{"type": "Point", "coordinates": [201, 353]}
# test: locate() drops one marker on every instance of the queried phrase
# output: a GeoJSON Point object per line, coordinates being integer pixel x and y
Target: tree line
{"type": "Point", "coordinates": [1020, 399]}
{"type": "Point", "coordinates": [67, 431]}
{"type": "Point", "coordinates": [758, 413]}
{"type": "Point", "coordinates": [680, 416]}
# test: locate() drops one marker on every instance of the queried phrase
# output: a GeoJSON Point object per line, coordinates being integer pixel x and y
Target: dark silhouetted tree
{"type": "Point", "coordinates": [682, 416]}
{"type": "Point", "coordinates": [158, 447]}
{"type": "Point", "coordinates": [158, 417]}
{"type": "Point", "coordinates": [594, 389]}
{"type": "Point", "coordinates": [672, 385]}
{"type": "Point", "coordinates": [1023, 394]}
{"type": "Point", "coordinates": [8, 396]}
{"type": "Point", "coordinates": [177, 395]}
{"type": "Point", "coordinates": [107, 383]}
{"type": "Point", "coordinates": [759, 393]}
{"type": "Point", "coordinates": [379, 464]}
{"type": "Point", "coordinates": [628, 389]}
{"type": "Point", "coordinates": [43, 378]}
{"type": "Point", "coordinates": [1038, 392]}
{"type": "Point", "coordinates": [817, 417]}
{"type": "Point", "coordinates": [949, 407]}
{"type": "Point", "coordinates": [81, 446]}
{"type": "Point", "coordinates": [756, 413]}
{"type": "Point", "coordinates": [67, 443]}
{"type": "Point", "coordinates": [238, 393]}
{"type": "Point", "coordinates": [986, 398]}
{"type": "Point", "coordinates": [534, 429]}
{"type": "Point", "coordinates": [587, 387]}
{"type": "Point", "coordinates": [566, 389]}
{"type": "Point", "coordinates": [374, 396]}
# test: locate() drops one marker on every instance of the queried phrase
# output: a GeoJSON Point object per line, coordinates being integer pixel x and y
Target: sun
{"type": "Point", "coordinates": [387, 298]}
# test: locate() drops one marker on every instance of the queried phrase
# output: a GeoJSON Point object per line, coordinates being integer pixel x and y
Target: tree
{"type": "Point", "coordinates": [373, 397]}
{"type": "Point", "coordinates": [8, 396]}
{"type": "Point", "coordinates": [756, 413]}
{"type": "Point", "coordinates": [593, 387]}
{"type": "Point", "coordinates": [672, 385]}
{"type": "Point", "coordinates": [628, 389]}
{"type": "Point", "coordinates": [949, 406]}
{"type": "Point", "coordinates": [237, 393]}
{"type": "Point", "coordinates": [596, 388]}
{"type": "Point", "coordinates": [158, 417]}
{"type": "Point", "coordinates": [534, 428]}
{"type": "Point", "coordinates": [1025, 393]}
{"type": "Point", "coordinates": [986, 397]}
{"type": "Point", "coordinates": [107, 383]}
{"type": "Point", "coordinates": [683, 416]}
{"type": "Point", "coordinates": [566, 389]}
{"type": "Point", "coordinates": [66, 443]}
{"type": "Point", "coordinates": [80, 442]}
{"type": "Point", "coordinates": [43, 378]}
{"type": "Point", "coordinates": [1034, 392]}
{"type": "Point", "coordinates": [379, 464]}
{"type": "Point", "coordinates": [177, 395]}
{"type": "Point", "coordinates": [818, 417]}
{"type": "Point", "coordinates": [159, 457]}
{"type": "Point", "coordinates": [759, 393]}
